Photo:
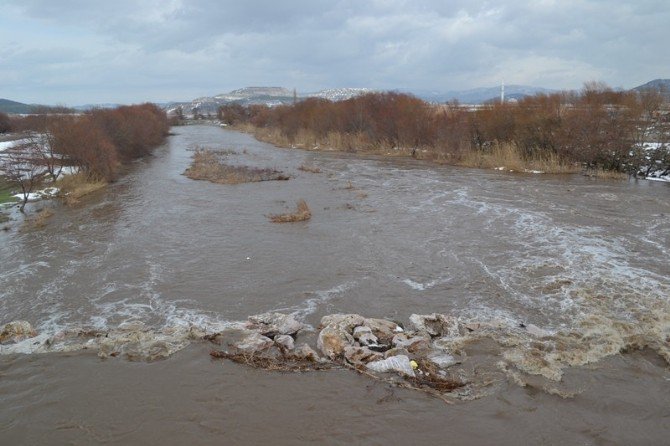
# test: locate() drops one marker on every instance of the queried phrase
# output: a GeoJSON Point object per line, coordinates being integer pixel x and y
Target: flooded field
{"type": "Point", "coordinates": [585, 263]}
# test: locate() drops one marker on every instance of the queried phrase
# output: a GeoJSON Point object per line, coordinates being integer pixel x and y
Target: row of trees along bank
{"type": "Point", "coordinates": [596, 127]}
{"type": "Point", "coordinates": [96, 144]}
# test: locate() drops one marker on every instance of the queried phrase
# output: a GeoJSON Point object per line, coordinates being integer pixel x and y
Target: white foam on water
{"type": "Point", "coordinates": [422, 286]}
{"type": "Point", "coordinates": [319, 297]}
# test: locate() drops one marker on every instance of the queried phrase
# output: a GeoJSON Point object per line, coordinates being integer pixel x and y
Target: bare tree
{"type": "Point", "coordinates": [44, 146]}
{"type": "Point", "coordinates": [22, 167]}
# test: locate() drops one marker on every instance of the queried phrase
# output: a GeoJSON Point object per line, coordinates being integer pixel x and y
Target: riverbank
{"type": "Point", "coordinates": [500, 157]}
{"type": "Point", "coordinates": [72, 156]}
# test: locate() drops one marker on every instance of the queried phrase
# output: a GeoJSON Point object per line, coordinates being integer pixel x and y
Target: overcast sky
{"type": "Point", "coordinates": [81, 51]}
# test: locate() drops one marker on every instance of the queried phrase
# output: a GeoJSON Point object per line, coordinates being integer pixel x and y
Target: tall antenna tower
{"type": "Point", "coordinates": [502, 92]}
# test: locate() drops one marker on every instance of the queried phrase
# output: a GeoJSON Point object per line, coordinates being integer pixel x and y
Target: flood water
{"type": "Point", "coordinates": [587, 261]}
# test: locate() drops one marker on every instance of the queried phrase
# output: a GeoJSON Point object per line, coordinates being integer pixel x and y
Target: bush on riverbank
{"type": "Point", "coordinates": [95, 145]}
{"type": "Point", "coordinates": [101, 141]}
{"type": "Point", "coordinates": [597, 127]}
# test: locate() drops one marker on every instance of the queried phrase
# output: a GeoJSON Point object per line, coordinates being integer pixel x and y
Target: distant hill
{"type": "Point", "coordinates": [19, 108]}
{"type": "Point", "coordinates": [87, 107]}
{"type": "Point", "coordinates": [270, 96]}
{"type": "Point", "coordinates": [273, 96]}
{"type": "Point", "coordinates": [8, 106]}
{"type": "Point", "coordinates": [481, 95]}
{"type": "Point", "coordinates": [662, 85]}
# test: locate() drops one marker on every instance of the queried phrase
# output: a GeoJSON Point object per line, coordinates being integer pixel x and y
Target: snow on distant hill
{"type": "Point", "coordinates": [270, 96]}
{"type": "Point", "coordinates": [273, 96]}
{"type": "Point", "coordinates": [338, 94]}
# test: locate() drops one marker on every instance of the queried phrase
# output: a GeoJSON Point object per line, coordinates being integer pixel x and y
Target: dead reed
{"type": "Point", "coordinates": [74, 187]}
{"type": "Point", "coordinates": [510, 157]}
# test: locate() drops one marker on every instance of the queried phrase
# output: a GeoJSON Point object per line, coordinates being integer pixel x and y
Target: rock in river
{"type": "Point", "coordinates": [274, 324]}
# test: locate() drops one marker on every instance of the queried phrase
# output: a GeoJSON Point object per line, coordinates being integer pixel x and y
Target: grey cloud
{"type": "Point", "coordinates": [182, 46]}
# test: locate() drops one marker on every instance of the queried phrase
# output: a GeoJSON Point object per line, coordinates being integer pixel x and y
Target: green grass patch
{"type": "Point", "coordinates": [6, 191]}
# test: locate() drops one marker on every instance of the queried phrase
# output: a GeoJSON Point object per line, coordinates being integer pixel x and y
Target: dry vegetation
{"type": "Point", "coordinates": [74, 187]}
{"type": "Point", "coordinates": [285, 363]}
{"type": "Point", "coordinates": [96, 144]}
{"type": "Point", "coordinates": [100, 141]}
{"type": "Point", "coordinates": [604, 174]}
{"type": "Point", "coordinates": [302, 213]}
{"type": "Point", "coordinates": [209, 165]}
{"type": "Point", "coordinates": [509, 156]}
{"type": "Point", "coordinates": [596, 127]}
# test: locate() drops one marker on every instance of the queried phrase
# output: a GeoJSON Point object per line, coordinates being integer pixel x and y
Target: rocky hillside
{"type": "Point", "coordinates": [270, 96]}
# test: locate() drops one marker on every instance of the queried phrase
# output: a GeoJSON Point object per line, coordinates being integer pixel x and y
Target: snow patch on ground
{"type": "Point", "coordinates": [4, 145]}
{"type": "Point", "coordinates": [47, 192]}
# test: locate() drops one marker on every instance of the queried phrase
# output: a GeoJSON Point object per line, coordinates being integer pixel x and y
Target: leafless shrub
{"type": "Point", "coordinates": [598, 126]}
{"type": "Point", "coordinates": [20, 166]}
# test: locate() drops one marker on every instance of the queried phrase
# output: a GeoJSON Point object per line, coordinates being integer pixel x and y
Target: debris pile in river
{"type": "Point", "coordinates": [443, 355]}
{"type": "Point", "coordinates": [377, 348]}
{"type": "Point", "coordinates": [208, 165]}
{"type": "Point", "coordinates": [302, 213]}
{"type": "Point", "coordinates": [268, 343]}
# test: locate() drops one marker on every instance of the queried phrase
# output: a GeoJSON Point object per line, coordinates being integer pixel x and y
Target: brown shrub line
{"type": "Point", "coordinates": [302, 213]}
{"type": "Point", "coordinates": [597, 126]}
{"type": "Point", "coordinates": [100, 141]}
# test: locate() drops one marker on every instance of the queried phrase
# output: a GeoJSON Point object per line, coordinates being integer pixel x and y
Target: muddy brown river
{"type": "Point", "coordinates": [585, 262]}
